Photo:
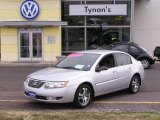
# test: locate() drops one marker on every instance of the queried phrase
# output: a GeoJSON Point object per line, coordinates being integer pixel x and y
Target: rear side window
{"type": "Point", "coordinates": [123, 48]}
{"type": "Point", "coordinates": [129, 61]}
{"type": "Point", "coordinates": [134, 50]}
{"type": "Point", "coordinates": [122, 59]}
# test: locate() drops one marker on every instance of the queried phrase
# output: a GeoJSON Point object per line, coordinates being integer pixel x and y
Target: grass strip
{"type": "Point", "coordinates": [52, 115]}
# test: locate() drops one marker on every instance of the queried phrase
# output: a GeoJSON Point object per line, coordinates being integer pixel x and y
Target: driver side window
{"type": "Point", "coordinates": [107, 61]}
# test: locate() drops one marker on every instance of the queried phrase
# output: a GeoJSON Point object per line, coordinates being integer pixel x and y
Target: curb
{"type": "Point", "coordinates": [19, 64]}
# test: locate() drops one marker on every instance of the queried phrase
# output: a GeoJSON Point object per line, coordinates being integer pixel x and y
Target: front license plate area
{"type": "Point", "coordinates": [32, 94]}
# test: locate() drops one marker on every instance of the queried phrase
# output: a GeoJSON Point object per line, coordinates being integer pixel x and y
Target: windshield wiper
{"type": "Point", "coordinates": [67, 67]}
{"type": "Point", "coordinates": [70, 68]}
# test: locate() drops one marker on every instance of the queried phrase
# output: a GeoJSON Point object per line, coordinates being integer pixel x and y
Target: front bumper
{"type": "Point", "coordinates": [57, 95]}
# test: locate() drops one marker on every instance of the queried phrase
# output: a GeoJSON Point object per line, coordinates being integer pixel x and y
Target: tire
{"type": "Point", "coordinates": [83, 96]}
{"type": "Point", "coordinates": [145, 63]}
{"type": "Point", "coordinates": [159, 58]}
{"type": "Point", "coordinates": [134, 84]}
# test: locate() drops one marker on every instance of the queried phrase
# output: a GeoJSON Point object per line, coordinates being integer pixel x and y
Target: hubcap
{"type": "Point", "coordinates": [84, 96]}
{"type": "Point", "coordinates": [135, 84]}
{"type": "Point", "coordinates": [145, 63]}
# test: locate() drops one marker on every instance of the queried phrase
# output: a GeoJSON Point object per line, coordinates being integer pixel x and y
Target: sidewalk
{"type": "Point", "coordinates": [36, 64]}
{"type": "Point", "coordinates": [31, 63]}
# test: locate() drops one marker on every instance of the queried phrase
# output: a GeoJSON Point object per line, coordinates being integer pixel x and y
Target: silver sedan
{"type": "Point", "coordinates": [83, 75]}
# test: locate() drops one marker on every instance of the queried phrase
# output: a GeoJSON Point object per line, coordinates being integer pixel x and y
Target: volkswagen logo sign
{"type": "Point", "coordinates": [29, 9]}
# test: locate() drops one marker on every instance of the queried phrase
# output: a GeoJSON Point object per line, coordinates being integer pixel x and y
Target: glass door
{"type": "Point", "coordinates": [24, 48]}
{"type": "Point", "coordinates": [36, 45]}
{"type": "Point", "coordinates": [30, 46]}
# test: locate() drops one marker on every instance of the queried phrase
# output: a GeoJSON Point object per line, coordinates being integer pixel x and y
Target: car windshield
{"type": "Point", "coordinates": [78, 61]}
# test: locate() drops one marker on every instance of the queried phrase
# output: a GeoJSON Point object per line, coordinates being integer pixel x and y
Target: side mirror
{"type": "Point", "coordinates": [101, 68]}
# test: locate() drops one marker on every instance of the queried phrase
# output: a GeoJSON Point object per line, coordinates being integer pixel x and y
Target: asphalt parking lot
{"type": "Point", "coordinates": [12, 98]}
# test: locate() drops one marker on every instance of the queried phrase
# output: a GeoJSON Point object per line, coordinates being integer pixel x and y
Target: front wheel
{"type": "Point", "coordinates": [145, 63]}
{"type": "Point", "coordinates": [83, 96]}
{"type": "Point", "coordinates": [134, 84]}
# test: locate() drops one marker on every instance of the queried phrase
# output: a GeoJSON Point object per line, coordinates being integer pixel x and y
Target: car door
{"type": "Point", "coordinates": [124, 70]}
{"type": "Point", "coordinates": [105, 80]}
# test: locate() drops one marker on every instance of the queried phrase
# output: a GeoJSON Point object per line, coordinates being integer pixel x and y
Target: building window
{"type": "Point", "coordinates": [72, 20]}
{"type": "Point", "coordinates": [97, 37]}
{"type": "Point", "coordinates": [87, 32]}
{"type": "Point", "coordinates": [73, 39]}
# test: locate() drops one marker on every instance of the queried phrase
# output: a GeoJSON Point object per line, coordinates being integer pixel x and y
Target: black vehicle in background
{"type": "Point", "coordinates": [157, 52]}
{"type": "Point", "coordinates": [136, 51]}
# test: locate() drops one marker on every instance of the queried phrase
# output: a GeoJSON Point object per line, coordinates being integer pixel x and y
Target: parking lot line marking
{"type": "Point", "coordinates": [97, 102]}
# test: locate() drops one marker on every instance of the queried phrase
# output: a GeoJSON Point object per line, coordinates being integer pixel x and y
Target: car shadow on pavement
{"type": "Point", "coordinates": [36, 105]}
{"type": "Point", "coordinates": [111, 96]}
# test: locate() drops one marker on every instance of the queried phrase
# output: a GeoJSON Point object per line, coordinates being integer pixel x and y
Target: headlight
{"type": "Point", "coordinates": [50, 85]}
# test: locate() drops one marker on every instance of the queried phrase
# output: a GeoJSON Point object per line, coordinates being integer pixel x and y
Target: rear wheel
{"type": "Point", "coordinates": [134, 84]}
{"type": "Point", "coordinates": [145, 63]}
{"type": "Point", "coordinates": [83, 96]}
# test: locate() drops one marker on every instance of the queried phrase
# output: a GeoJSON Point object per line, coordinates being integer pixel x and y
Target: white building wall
{"type": "Point", "coordinates": [146, 30]}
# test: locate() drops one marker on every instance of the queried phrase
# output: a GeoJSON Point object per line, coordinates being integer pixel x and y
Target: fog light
{"type": "Point", "coordinates": [51, 98]}
{"type": "Point", "coordinates": [54, 98]}
{"type": "Point", "coordinates": [58, 98]}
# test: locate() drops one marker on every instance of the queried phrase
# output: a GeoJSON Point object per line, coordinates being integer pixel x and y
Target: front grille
{"type": "Point", "coordinates": [35, 83]}
{"type": "Point", "coordinates": [41, 97]}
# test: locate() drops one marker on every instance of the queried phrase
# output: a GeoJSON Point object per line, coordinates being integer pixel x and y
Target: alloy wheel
{"type": "Point", "coordinates": [145, 63]}
{"type": "Point", "coordinates": [83, 96]}
{"type": "Point", "coordinates": [135, 84]}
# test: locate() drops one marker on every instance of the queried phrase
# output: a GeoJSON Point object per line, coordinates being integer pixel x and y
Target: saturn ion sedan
{"type": "Point", "coordinates": [83, 75]}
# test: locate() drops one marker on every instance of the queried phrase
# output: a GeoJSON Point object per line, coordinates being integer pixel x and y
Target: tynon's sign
{"type": "Point", "coordinates": [109, 9]}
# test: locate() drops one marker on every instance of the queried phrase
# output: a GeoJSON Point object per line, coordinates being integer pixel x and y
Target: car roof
{"type": "Point", "coordinates": [122, 43]}
{"type": "Point", "coordinates": [128, 43]}
{"type": "Point", "coordinates": [101, 52]}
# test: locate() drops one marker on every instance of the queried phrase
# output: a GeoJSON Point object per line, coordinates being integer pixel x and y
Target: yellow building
{"type": "Point", "coordinates": [35, 30]}
{"type": "Point", "coordinates": [30, 30]}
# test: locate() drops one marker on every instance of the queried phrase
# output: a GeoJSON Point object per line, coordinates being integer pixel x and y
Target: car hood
{"type": "Point", "coordinates": [57, 74]}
